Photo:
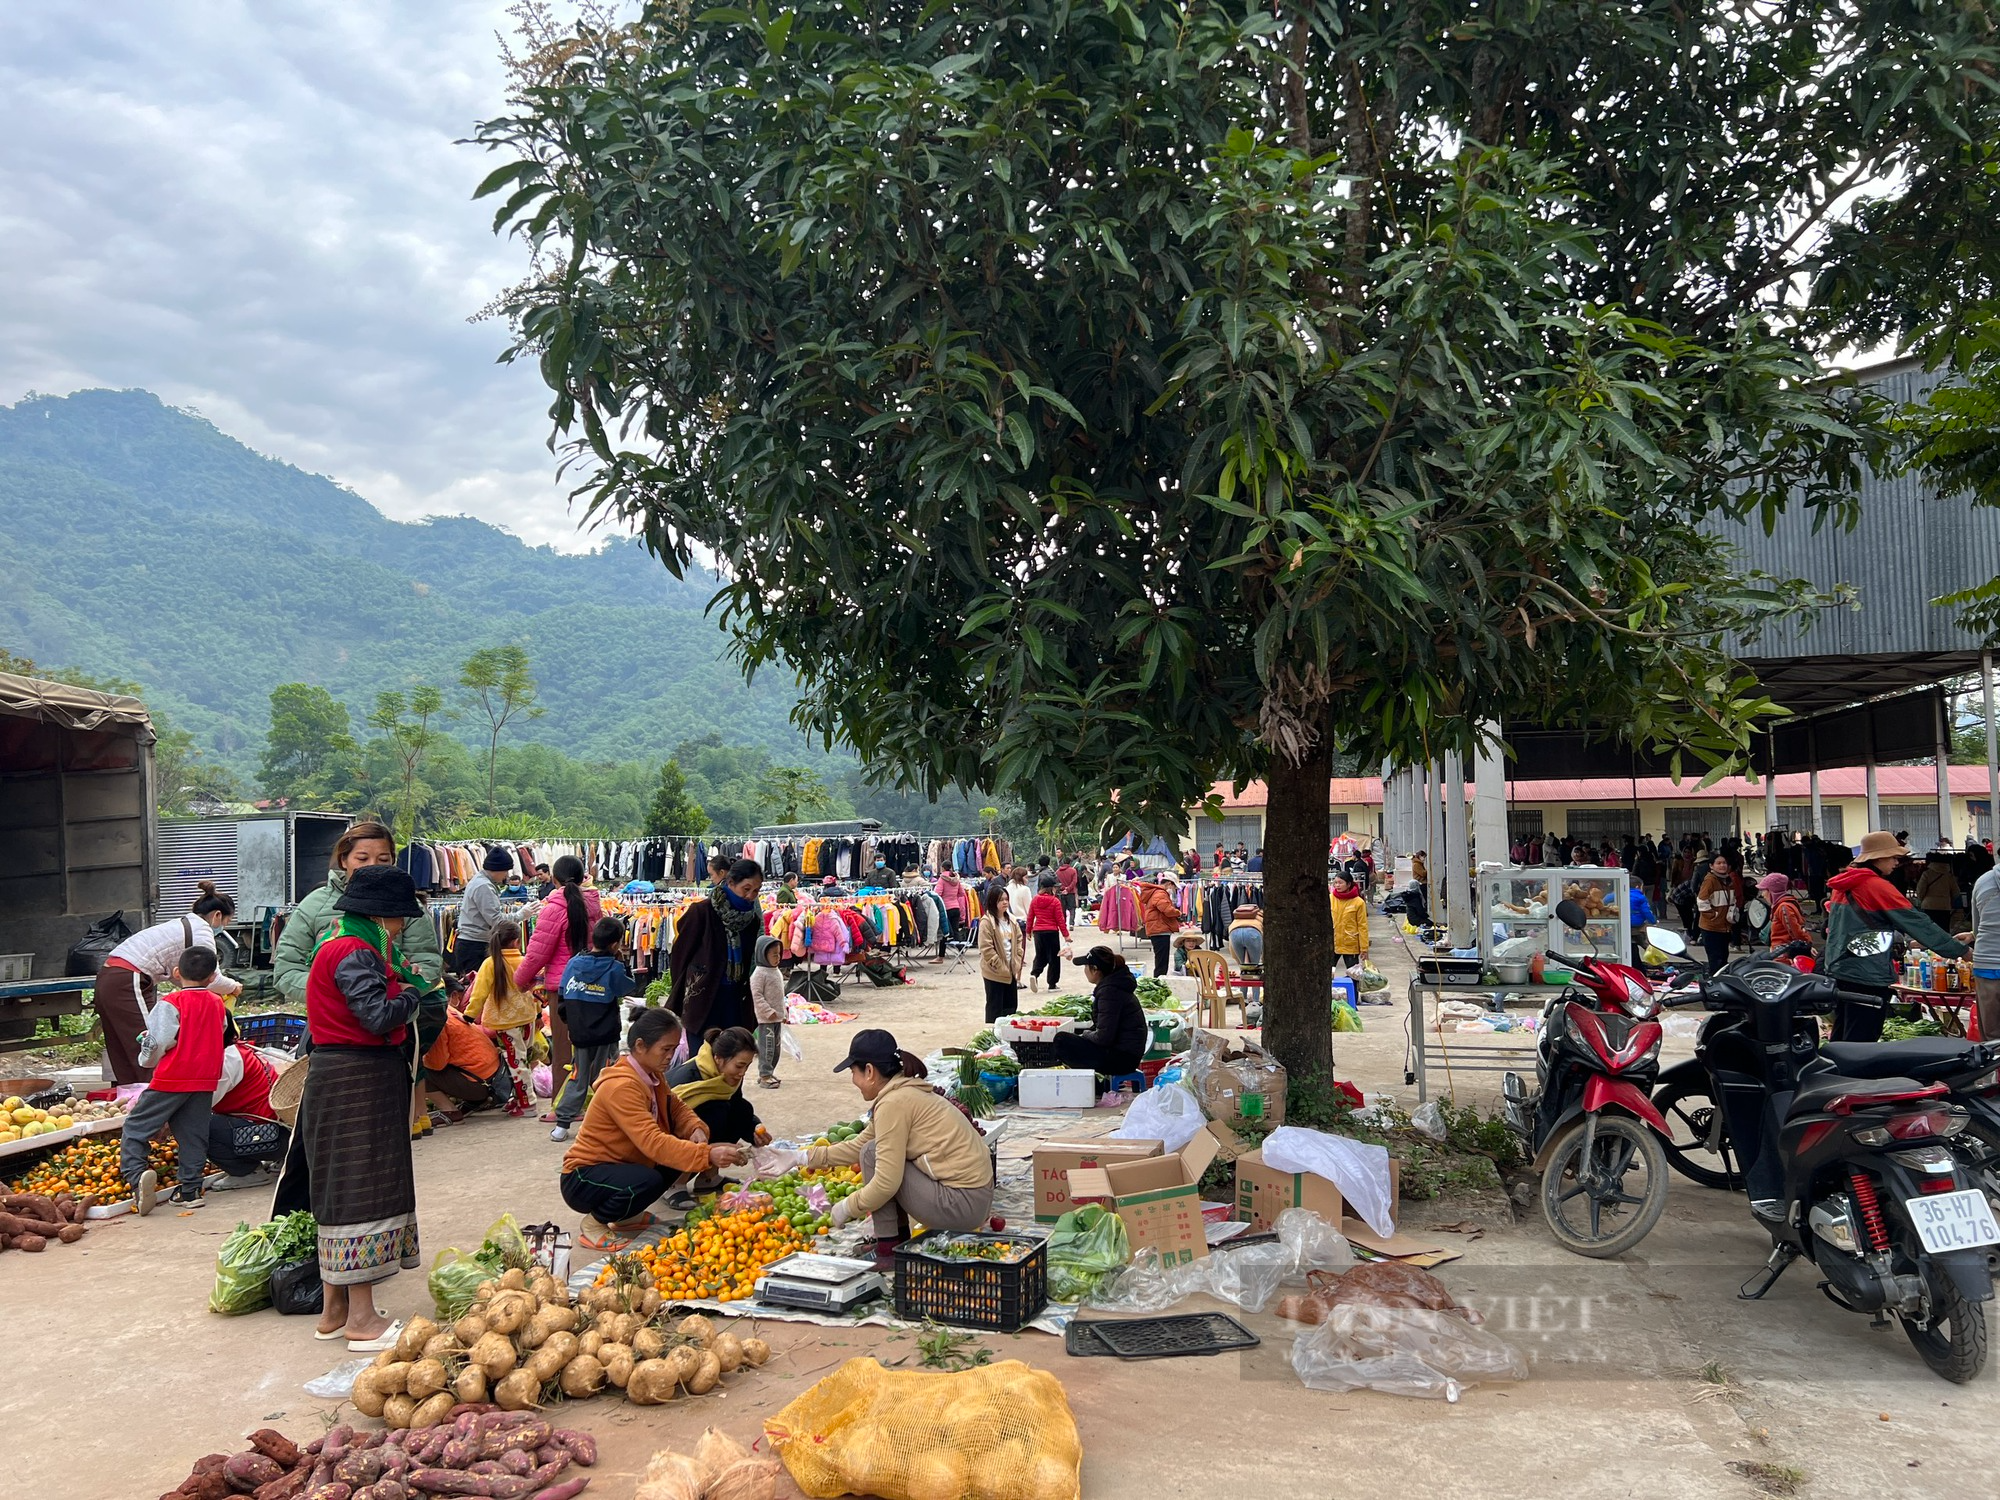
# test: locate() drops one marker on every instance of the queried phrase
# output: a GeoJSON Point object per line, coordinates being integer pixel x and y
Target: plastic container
{"type": "Point", "coordinates": [1346, 991]}
{"type": "Point", "coordinates": [283, 1030]}
{"type": "Point", "coordinates": [998, 1295]}
{"type": "Point", "coordinates": [1000, 1085]}
{"type": "Point", "coordinates": [1057, 1088]}
{"type": "Point", "coordinates": [1036, 1054]}
{"type": "Point", "coordinates": [15, 967]}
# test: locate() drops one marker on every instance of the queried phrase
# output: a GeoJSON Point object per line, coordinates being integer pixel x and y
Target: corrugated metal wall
{"type": "Point", "coordinates": [1907, 549]}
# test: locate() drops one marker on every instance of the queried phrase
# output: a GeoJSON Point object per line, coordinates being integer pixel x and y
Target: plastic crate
{"type": "Point", "coordinates": [1036, 1054]}
{"type": "Point", "coordinates": [280, 1029]}
{"type": "Point", "coordinates": [995, 1295]}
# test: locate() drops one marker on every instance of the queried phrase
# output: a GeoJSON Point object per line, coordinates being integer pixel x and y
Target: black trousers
{"type": "Point", "coordinates": [728, 1120]}
{"type": "Point", "coordinates": [1001, 1000]}
{"type": "Point", "coordinates": [467, 954]}
{"type": "Point", "coordinates": [1048, 955]}
{"type": "Point", "coordinates": [457, 1083]}
{"type": "Point", "coordinates": [1716, 946]}
{"type": "Point", "coordinates": [1860, 1020]}
{"type": "Point", "coordinates": [1163, 948]}
{"type": "Point", "coordinates": [615, 1191]}
{"type": "Point", "coordinates": [1079, 1052]}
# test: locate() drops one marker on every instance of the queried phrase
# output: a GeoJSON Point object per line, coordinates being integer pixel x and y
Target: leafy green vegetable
{"type": "Point", "coordinates": [295, 1237]}
{"type": "Point", "coordinates": [1071, 1007]}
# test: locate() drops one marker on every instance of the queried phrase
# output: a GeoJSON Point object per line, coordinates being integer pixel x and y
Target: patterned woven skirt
{"type": "Point", "coordinates": [355, 1124]}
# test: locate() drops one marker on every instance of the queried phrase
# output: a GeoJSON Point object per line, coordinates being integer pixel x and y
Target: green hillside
{"type": "Point", "coordinates": [142, 543]}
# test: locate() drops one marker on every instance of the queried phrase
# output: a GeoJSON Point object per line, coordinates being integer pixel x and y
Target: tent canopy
{"type": "Point", "coordinates": [71, 707]}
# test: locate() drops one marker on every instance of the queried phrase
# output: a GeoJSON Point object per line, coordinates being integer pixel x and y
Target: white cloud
{"type": "Point", "coordinates": [260, 212]}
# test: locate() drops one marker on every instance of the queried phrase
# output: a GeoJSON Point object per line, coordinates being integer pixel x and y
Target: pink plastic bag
{"type": "Point", "coordinates": [545, 1087]}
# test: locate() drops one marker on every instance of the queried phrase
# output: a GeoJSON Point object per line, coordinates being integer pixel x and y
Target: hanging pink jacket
{"type": "Point", "coordinates": [830, 937]}
{"type": "Point", "coordinates": [548, 952]}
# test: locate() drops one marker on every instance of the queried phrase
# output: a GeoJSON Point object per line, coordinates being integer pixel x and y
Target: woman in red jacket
{"type": "Point", "coordinates": [1048, 925]}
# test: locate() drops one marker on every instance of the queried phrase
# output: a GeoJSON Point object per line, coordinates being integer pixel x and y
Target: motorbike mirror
{"type": "Point", "coordinates": [1868, 944]}
{"type": "Point", "coordinates": [1663, 940]}
{"type": "Point", "coordinates": [1572, 916]}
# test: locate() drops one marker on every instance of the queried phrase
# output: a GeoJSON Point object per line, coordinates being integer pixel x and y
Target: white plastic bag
{"type": "Point", "coordinates": [1402, 1351]}
{"type": "Point", "coordinates": [1429, 1120]}
{"type": "Point", "coordinates": [1248, 1278]}
{"type": "Point", "coordinates": [785, 1040]}
{"type": "Point", "coordinates": [1171, 1116]}
{"type": "Point", "coordinates": [1360, 1171]}
{"type": "Point", "coordinates": [1310, 1244]}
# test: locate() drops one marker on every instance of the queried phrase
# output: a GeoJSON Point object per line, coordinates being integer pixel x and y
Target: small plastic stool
{"type": "Point", "coordinates": [1139, 1081]}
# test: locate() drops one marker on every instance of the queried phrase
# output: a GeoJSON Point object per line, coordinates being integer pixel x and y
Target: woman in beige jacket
{"type": "Point", "coordinates": [1002, 955]}
{"type": "Point", "coordinates": [920, 1157]}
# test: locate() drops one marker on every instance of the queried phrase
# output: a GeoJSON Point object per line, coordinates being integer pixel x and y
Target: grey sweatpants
{"type": "Point", "coordinates": [924, 1200]}
{"type": "Point", "coordinates": [588, 1063]}
{"type": "Point", "coordinates": [768, 1034]}
{"type": "Point", "coordinates": [187, 1116]}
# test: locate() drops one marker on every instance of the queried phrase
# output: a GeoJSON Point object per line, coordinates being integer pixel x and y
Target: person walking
{"type": "Point", "coordinates": [1002, 956]}
{"type": "Point", "coordinates": [562, 931]}
{"type": "Point", "coordinates": [591, 999]}
{"type": "Point", "coordinates": [1048, 929]}
{"type": "Point", "coordinates": [184, 1034]}
{"type": "Point", "coordinates": [1716, 903]}
{"type": "Point", "coordinates": [1161, 917]}
{"type": "Point", "coordinates": [767, 1003]}
{"type": "Point", "coordinates": [134, 973]}
{"type": "Point", "coordinates": [1350, 925]}
{"type": "Point", "coordinates": [479, 911]}
{"type": "Point", "coordinates": [1861, 902]}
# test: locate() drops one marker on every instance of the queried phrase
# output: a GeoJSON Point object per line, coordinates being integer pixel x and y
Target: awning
{"type": "Point", "coordinates": [72, 707]}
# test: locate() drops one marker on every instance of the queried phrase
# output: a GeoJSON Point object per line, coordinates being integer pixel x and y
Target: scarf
{"type": "Point", "coordinates": [710, 1086]}
{"type": "Point", "coordinates": [652, 1091]}
{"type": "Point", "coordinates": [370, 932]}
{"type": "Point", "coordinates": [740, 921]}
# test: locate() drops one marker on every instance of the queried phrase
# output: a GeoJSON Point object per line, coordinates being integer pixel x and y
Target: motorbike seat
{"type": "Point", "coordinates": [1925, 1058]}
{"type": "Point", "coordinates": [1816, 1093]}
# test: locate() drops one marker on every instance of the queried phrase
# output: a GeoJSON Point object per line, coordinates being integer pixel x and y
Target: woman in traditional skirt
{"type": "Point", "coordinates": [355, 1117]}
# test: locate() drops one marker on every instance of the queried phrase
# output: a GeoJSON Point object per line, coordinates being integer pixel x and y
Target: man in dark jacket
{"type": "Point", "coordinates": [1118, 1033]}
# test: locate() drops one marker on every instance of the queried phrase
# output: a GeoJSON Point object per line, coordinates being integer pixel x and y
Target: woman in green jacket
{"type": "Point", "coordinates": [314, 916]}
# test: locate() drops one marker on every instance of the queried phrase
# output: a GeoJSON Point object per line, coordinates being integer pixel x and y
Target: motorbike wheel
{"type": "Point", "coordinates": [1693, 1115]}
{"type": "Point", "coordinates": [1588, 1205]}
{"type": "Point", "coordinates": [1954, 1346]}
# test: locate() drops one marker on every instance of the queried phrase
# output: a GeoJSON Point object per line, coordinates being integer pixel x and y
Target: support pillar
{"type": "Point", "coordinates": [1458, 864]}
{"type": "Point", "coordinates": [1433, 844]}
{"type": "Point", "coordinates": [1992, 748]}
{"type": "Point", "coordinates": [1947, 830]}
{"type": "Point", "coordinates": [1770, 805]}
{"type": "Point", "coordinates": [1489, 806]}
{"type": "Point", "coordinates": [1812, 782]}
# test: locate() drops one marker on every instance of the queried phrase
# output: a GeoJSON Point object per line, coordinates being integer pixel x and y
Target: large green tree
{"type": "Point", "coordinates": [1089, 402]}
{"type": "Point", "coordinates": [410, 723]}
{"type": "Point", "coordinates": [672, 811]}
{"type": "Point", "coordinates": [309, 750]}
{"type": "Point", "coordinates": [501, 687]}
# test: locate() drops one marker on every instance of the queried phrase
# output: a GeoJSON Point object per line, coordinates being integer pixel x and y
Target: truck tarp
{"type": "Point", "coordinates": [75, 707]}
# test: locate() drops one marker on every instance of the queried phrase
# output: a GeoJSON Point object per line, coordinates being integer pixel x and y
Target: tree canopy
{"type": "Point", "coordinates": [1096, 401]}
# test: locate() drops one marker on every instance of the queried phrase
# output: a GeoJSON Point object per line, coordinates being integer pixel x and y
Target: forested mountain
{"type": "Point", "coordinates": [142, 543]}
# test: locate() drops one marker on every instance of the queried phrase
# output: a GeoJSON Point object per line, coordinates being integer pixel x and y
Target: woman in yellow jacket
{"type": "Point", "coordinates": [1350, 924]}
{"type": "Point", "coordinates": [507, 1012]}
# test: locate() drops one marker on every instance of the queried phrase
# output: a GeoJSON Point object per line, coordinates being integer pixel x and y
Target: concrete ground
{"type": "Point", "coordinates": [1649, 1377]}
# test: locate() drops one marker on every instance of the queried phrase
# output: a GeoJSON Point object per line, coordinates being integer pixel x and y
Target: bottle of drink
{"type": "Point", "coordinates": [1923, 971]}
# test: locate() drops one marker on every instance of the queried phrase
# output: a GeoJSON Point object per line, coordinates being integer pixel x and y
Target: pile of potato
{"type": "Point", "coordinates": [28, 1221]}
{"type": "Point", "coordinates": [524, 1342]}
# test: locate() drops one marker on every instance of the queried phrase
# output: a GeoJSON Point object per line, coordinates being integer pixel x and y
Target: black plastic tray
{"type": "Point", "coordinates": [1169, 1338]}
{"type": "Point", "coordinates": [1080, 1340]}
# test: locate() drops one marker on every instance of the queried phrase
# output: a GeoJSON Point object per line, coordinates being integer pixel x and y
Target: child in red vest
{"type": "Point", "coordinates": [183, 1046]}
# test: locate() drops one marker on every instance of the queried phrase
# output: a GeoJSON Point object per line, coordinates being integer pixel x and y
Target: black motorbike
{"type": "Point", "coordinates": [1850, 1173]}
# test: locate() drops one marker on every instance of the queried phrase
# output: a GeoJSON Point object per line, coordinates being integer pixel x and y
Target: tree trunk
{"type": "Point", "coordinates": [1298, 921]}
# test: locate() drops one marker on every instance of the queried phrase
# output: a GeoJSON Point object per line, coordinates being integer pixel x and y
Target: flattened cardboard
{"type": "Point", "coordinates": [1055, 1160]}
{"type": "Point", "coordinates": [1406, 1248]}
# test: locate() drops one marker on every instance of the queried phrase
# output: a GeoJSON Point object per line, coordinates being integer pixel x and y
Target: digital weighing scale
{"type": "Point", "coordinates": [820, 1283]}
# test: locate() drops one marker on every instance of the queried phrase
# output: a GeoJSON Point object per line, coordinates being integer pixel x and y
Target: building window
{"type": "Point", "coordinates": [1797, 816]}
{"type": "Point", "coordinates": [1228, 832]}
{"type": "Point", "coordinates": [1336, 825]}
{"type": "Point", "coordinates": [1713, 821]}
{"type": "Point", "coordinates": [1918, 821]}
{"type": "Point", "coordinates": [1524, 823]}
{"type": "Point", "coordinates": [1599, 825]}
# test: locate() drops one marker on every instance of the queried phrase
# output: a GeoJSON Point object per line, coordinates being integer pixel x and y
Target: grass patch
{"type": "Point", "coordinates": [1772, 1479]}
{"type": "Point", "coordinates": [1474, 1157]}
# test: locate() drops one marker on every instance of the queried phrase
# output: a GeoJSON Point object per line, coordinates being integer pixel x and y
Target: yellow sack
{"type": "Point", "coordinates": [998, 1432]}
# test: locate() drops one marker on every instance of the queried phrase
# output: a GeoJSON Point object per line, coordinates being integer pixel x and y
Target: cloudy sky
{"type": "Point", "coordinates": [257, 210]}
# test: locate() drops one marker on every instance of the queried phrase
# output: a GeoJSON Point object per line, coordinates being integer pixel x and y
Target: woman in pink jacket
{"type": "Point", "coordinates": [562, 930]}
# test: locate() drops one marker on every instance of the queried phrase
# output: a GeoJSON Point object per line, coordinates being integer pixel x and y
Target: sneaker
{"type": "Point", "coordinates": [560, 1133]}
{"type": "Point", "coordinates": [231, 1182]}
{"type": "Point", "coordinates": [421, 1129]}
{"type": "Point", "coordinates": [146, 1192]}
{"type": "Point", "coordinates": [178, 1199]}
{"type": "Point", "coordinates": [1034, 984]}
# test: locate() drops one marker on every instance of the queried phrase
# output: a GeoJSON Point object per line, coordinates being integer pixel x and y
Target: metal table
{"type": "Point", "coordinates": [26, 1001]}
{"type": "Point", "coordinates": [1483, 1054]}
{"type": "Point", "coordinates": [1943, 1007]}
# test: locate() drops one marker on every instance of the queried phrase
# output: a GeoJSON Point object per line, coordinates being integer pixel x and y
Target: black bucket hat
{"type": "Point", "coordinates": [380, 891]}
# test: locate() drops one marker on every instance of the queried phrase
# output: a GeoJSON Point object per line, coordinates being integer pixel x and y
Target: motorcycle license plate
{"type": "Point", "coordinates": [1954, 1221]}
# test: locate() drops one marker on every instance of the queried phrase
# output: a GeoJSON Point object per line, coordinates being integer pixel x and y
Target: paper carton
{"type": "Point", "coordinates": [1237, 1081]}
{"type": "Point", "coordinates": [1157, 1198]}
{"type": "Point", "coordinates": [1263, 1192]}
{"type": "Point", "coordinates": [1055, 1160]}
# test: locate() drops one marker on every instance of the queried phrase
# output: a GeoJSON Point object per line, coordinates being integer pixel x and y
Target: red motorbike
{"type": "Point", "coordinates": [1589, 1123]}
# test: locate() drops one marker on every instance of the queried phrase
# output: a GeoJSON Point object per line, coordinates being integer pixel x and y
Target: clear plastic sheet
{"type": "Point", "coordinates": [1401, 1351]}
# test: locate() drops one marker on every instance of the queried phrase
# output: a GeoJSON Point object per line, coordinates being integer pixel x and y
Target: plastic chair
{"type": "Point", "coordinates": [1211, 971]}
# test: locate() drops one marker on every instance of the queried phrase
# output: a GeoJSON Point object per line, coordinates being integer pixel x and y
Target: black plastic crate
{"type": "Point", "coordinates": [1165, 1338]}
{"type": "Point", "coordinates": [281, 1029]}
{"type": "Point", "coordinates": [998, 1295]}
{"type": "Point", "coordinates": [1036, 1054]}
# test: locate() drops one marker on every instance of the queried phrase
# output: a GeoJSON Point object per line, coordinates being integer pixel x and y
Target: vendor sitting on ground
{"type": "Point", "coordinates": [464, 1066]}
{"type": "Point", "coordinates": [711, 1084]}
{"type": "Point", "coordinates": [1246, 937]}
{"type": "Point", "coordinates": [636, 1139]}
{"type": "Point", "coordinates": [240, 1138]}
{"type": "Point", "coordinates": [1118, 1034]}
{"type": "Point", "coordinates": [920, 1158]}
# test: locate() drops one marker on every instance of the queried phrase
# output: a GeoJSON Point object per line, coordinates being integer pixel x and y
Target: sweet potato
{"type": "Point", "coordinates": [361, 1467]}
{"type": "Point", "coordinates": [569, 1489]}
{"type": "Point", "coordinates": [276, 1446]}
{"type": "Point", "coordinates": [580, 1446]}
{"type": "Point", "coordinates": [334, 1491]}
{"type": "Point", "coordinates": [286, 1487]}
{"type": "Point", "coordinates": [514, 1461]}
{"type": "Point", "coordinates": [34, 1244]}
{"type": "Point", "coordinates": [545, 1474]}
{"type": "Point", "coordinates": [246, 1471]}
{"type": "Point", "coordinates": [446, 1482]}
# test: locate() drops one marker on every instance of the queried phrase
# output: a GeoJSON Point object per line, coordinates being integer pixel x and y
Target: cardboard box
{"type": "Point", "coordinates": [1055, 1160]}
{"type": "Point", "coordinates": [1058, 1088]}
{"type": "Point", "coordinates": [1262, 1193]}
{"type": "Point", "coordinates": [1238, 1081]}
{"type": "Point", "coordinates": [1157, 1198]}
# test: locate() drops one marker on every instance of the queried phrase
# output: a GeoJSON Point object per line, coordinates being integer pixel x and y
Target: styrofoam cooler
{"type": "Point", "coordinates": [1058, 1088]}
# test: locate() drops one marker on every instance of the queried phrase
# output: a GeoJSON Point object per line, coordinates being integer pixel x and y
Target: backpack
{"type": "Point", "coordinates": [1682, 895]}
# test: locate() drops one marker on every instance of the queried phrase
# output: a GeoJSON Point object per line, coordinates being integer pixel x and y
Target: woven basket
{"type": "Point", "coordinates": [288, 1090]}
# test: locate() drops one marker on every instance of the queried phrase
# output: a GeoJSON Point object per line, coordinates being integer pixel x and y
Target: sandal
{"type": "Point", "coordinates": [386, 1339]}
{"type": "Point", "coordinates": [769, 1083]}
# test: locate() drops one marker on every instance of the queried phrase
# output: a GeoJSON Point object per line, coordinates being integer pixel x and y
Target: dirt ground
{"type": "Point", "coordinates": [1649, 1376]}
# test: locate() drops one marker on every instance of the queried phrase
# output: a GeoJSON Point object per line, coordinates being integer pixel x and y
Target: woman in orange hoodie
{"type": "Point", "coordinates": [1162, 918]}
